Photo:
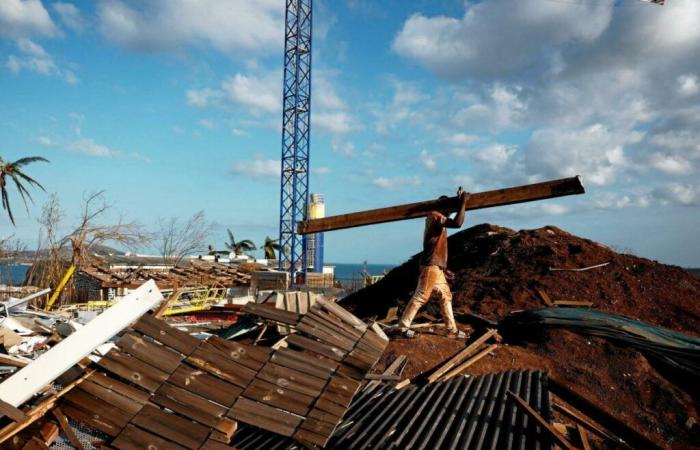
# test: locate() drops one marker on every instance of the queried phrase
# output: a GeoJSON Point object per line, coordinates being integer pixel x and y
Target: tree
{"type": "Point", "coordinates": [240, 247]}
{"type": "Point", "coordinates": [176, 240]}
{"type": "Point", "coordinates": [14, 172]}
{"type": "Point", "coordinates": [270, 246]}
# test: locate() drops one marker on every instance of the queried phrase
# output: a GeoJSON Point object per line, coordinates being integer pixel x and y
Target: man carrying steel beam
{"type": "Point", "coordinates": [433, 268]}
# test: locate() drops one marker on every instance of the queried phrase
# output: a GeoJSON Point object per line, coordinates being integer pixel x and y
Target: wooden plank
{"type": "Point", "coordinates": [343, 385]}
{"type": "Point", "coordinates": [341, 313]}
{"type": "Point", "coordinates": [29, 380]}
{"type": "Point", "coordinates": [136, 438]}
{"type": "Point", "coordinates": [166, 335]}
{"type": "Point", "coordinates": [189, 405]}
{"type": "Point", "coordinates": [217, 364]}
{"type": "Point", "coordinates": [98, 407]}
{"type": "Point", "coordinates": [265, 417]}
{"type": "Point", "coordinates": [212, 444]}
{"type": "Point", "coordinates": [310, 438]}
{"type": "Point", "coordinates": [488, 199]}
{"type": "Point", "coordinates": [583, 436]}
{"type": "Point", "coordinates": [325, 335]}
{"type": "Point", "coordinates": [545, 298]}
{"type": "Point", "coordinates": [273, 395]}
{"type": "Point", "coordinates": [172, 427]}
{"type": "Point", "coordinates": [113, 398]}
{"type": "Point", "coordinates": [147, 351]}
{"type": "Point", "coordinates": [133, 369]}
{"type": "Point", "coordinates": [457, 370]}
{"type": "Point", "coordinates": [592, 426]}
{"type": "Point", "coordinates": [124, 389]}
{"type": "Point", "coordinates": [35, 444]}
{"type": "Point", "coordinates": [330, 407]}
{"type": "Point", "coordinates": [554, 434]}
{"type": "Point", "coordinates": [97, 422]}
{"type": "Point", "coordinates": [287, 358]}
{"type": "Point", "coordinates": [251, 356]}
{"type": "Point", "coordinates": [291, 379]}
{"type": "Point", "coordinates": [309, 344]}
{"type": "Point", "coordinates": [12, 412]}
{"type": "Point", "coordinates": [274, 314]}
{"type": "Point", "coordinates": [332, 320]}
{"type": "Point", "coordinates": [462, 355]}
{"type": "Point", "coordinates": [67, 429]}
{"type": "Point", "coordinates": [323, 415]}
{"type": "Point", "coordinates": [201, 383]}
{"type": "Point", "coordinates": [573, 303]}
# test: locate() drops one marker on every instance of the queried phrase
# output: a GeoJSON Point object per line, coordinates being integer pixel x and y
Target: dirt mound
{"type": "Point", "coordinates": [498, 270]}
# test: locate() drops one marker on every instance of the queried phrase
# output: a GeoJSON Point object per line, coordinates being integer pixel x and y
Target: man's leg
{"type": "Point", "coordinates": [426, 281]}
{"type": "Point", "coordinates": [446, 303]}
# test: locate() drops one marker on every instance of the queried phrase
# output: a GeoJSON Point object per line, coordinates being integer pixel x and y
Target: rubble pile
{"type": "Point", "coordinates": [498, 271]}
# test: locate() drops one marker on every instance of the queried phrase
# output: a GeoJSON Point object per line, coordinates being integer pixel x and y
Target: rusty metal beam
{"type": "Point", "coordinates": [480, 200]}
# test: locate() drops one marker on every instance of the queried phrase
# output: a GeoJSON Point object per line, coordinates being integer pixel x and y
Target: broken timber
{"type": "Point", "coordinates": [162, 388]}
{"type": "Point", "coordinates": [488, 199]}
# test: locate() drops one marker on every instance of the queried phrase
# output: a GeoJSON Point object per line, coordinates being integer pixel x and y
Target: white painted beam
{"type": "Point", "coordinates": [31, 379]}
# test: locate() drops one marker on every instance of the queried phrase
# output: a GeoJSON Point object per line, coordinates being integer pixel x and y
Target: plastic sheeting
{"type": "Point", "coordinates": [675, 349]}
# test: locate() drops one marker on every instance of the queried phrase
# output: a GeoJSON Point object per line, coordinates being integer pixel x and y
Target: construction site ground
{"type": "Point", "coordinates": [498, 271]}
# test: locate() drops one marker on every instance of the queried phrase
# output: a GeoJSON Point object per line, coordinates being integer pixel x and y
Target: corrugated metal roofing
{"type": "Point", "coordinates": [462, 413]}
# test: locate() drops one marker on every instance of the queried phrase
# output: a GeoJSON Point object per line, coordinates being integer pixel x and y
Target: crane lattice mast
{"type": "Point", "coordinates": [296, 133]}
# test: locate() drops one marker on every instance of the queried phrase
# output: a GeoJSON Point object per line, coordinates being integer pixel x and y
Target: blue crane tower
{"type": "Point", "coordinates": [296, 133]}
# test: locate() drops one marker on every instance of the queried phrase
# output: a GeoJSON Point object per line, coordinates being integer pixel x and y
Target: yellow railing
{"type": "Point", "coordinates": [189, 300]}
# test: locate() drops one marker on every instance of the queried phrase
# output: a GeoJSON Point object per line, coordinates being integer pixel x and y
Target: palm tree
{"type": "Point", "coordinates": [270, 246]}
{"type": "Point", "coordinates": [240, 247]}
{"type": "Point", "coordinates": [13, 171]}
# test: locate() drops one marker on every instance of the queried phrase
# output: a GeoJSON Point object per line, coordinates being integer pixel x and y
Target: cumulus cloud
{"type": "Point", "coordinates": [23, 18]}
{"type": "Point", "coordinates": [486, 40]}
{"type": "Point", "coordinates": [595, 151]}
{"type": "Point", "coordinates": [427, 160]}
{"type": "Point", "coordinates": [460, 139]}
{"type": "Point", "coordinates": [260, 169]}
{"type": "Point", "coordinates": [393, 183]}
{"type": "Point", "coordinates": [678, 193]}
{"type": "Point", "coordinates": [257, 93]}
{"type": "Point", "coordinates": [688, 85]}
{"type": "Point", "coordinates": [32, 57]}
{"type": "Point", "coordinates": [232, 26]}
{"type": "Point", "coordinates": [70, 16]}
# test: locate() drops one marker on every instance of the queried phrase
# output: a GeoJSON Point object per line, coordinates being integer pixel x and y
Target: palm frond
{"type": "Point", "coordinates": [28, 160]}
{"type": "Point", "coordinates": [6, 204]}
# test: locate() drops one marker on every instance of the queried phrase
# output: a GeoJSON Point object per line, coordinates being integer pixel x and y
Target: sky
{"type": "Point", "coordinates": [174, 106]}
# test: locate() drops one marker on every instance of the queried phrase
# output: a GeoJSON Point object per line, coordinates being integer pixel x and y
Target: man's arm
{"type": "Point", "coordinates": [458, 220]}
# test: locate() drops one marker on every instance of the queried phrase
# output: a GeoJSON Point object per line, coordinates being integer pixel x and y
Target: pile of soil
{"type": "Point", "coordinates": [498, 270]}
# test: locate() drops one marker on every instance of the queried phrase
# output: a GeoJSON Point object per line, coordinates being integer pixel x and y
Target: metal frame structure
{"type": "Point", "coordinates": [296, 134]}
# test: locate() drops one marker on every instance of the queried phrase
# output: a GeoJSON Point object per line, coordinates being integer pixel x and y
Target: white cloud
{"type": "Point", "coordinates": [499, 108]}
{"type": "Point", "coordinates": [496, 156]}
{"type": "Point", "coordinates": [34, 58]}
{"type": "Point", "coordinates": [257, 93]}
{"type": "Point", "coordinates": [678, 193]}
{"type": "Point", "coordinates": [499, 35]}
{"type": "Point", "coordinates": [334, 123]}
{"type": "Point", "coordinates": [22, 18]}
{"type": "Point", "coordinates": [460, 139]}
{"type": "Point", "coordinates": [393, 183]}
{"type": "Point", "coordinates": [258, 169]}
{"type": "Point", "coordinates": [70, 16]}
{"type": "Point", "coordinates": [44, 140]}
{"type": "Point", "coordinates": [321, 170]}
{"type": "Point", "coordinates": [233, 27]}
{"type": "Point", "coordinates": [427, 160]}
{"type": "Point", "coordinates": [671, 164]}
{"type": "Point", "coordinates": [688, 85]}
{"type": "Point", "coordinates": [260, 93]}
{"type": "Point", "coordinates": [596, 152]}
{"type": "Point", "coordinates": [344, 148]}
{"type": "Point", "coordinates": [89, 147]}
{"type": "Point", "coordinates": [207, 123]}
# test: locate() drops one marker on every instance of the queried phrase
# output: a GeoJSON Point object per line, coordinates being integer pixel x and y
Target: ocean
{"type": "Point", "coordinates": [349, 271]}
{"type": "Point", "coordinates": [13, 274]}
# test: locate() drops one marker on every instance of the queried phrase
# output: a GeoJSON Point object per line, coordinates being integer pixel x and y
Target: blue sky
{"type": "Point", "coordinates": [173, 106]}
